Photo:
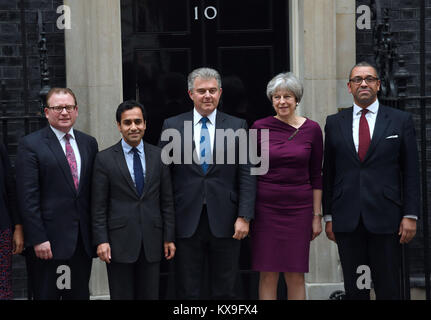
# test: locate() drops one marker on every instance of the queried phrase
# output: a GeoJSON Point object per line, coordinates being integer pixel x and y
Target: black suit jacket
{"type": "Point", "coordinates": [229, 189]}
{"type": "Point", "coordinates": [9, 216]}
{"type": "Point", "coordinates": [127, 220]}
{"type": "Point", "coordinates": [50, 206]}
{"type": "Point", "coordinates": [381, 189]}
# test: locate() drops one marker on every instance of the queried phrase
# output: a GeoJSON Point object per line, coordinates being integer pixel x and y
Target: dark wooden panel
{"type": "Point", "coordinates": [246, 72]}
{"type": "Point", "coordinates": [161, 16]}
{"type": "Point", "coordinates": [244, 15]}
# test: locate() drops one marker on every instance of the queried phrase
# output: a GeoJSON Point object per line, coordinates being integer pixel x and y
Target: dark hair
{"type": "Point", "coordinates": [128, 105]}
{"type": "Point", "coordinates": [364, 64]}
{"type": "Point", "coordinates": [56, 90]}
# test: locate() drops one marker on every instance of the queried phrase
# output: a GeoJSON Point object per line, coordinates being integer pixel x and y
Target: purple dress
{"type": "Point", "coordinates": [282, 229]}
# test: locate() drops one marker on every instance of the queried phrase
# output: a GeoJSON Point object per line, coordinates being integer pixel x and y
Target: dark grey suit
{"type": "Point", "coordinates": [229, 191]}
{"type": "Point", "coordinates": [134, 226]}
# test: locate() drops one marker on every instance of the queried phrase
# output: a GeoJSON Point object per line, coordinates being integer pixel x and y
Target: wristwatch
{"type": "Point", "coordinates": [245, 218]}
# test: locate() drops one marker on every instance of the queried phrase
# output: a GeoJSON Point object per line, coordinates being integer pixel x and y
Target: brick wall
{"type": "Point", "coordinates": [15, 90]}
{"type": "Point", "coordinates": [405, 25]}
{"type": "Point", "coordinates": [12, 50]}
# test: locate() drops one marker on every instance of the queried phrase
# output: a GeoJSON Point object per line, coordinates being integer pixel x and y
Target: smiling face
{"type": "Point", "coordinates": [132, 126]}
{"type": "Point", "coordinates": [205, 95]}
{"type": "Point", "coordinates": [64, 120]}
{"type": "Point", "coordinates": [284, 103]}
{"type": "Point", "coordinates": [364, 94]}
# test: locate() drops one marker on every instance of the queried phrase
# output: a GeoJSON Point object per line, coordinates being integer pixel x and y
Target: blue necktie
{"type": "Point", "coordinates": [205, 147]}
{"type": "Point", "coordinates": [138, 171]}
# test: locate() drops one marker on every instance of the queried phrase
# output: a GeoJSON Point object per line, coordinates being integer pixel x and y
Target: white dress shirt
{"type": "Point", "coordinates": [371, 116]}
{"type": "Point", "coordinates": [197, 125]}
{"type": "Point", "coordinates": [61, 138]}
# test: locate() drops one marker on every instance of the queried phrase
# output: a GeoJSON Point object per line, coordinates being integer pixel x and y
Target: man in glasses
{"type": "Point", "coordinates": [371, 187]}
{"type": "Point", "coordinates": [54, 168]}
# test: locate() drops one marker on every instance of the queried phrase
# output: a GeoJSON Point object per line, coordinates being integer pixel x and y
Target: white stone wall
{"type": "Point", "coordinates": [323, 51]}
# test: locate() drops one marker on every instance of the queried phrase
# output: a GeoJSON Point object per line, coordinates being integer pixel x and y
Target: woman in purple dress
{"type": "Point", "coordinates": [288, 201]}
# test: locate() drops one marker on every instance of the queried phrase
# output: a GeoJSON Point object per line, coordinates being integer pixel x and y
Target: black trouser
{"type": "Point", "coordinates": [380, 252]}
{"type": "Point", "coordinates": [223, 258]}
{"type": "Point", "coordinates": [49, 277]}
{"type": "Point", "coordinates": [134, 281]}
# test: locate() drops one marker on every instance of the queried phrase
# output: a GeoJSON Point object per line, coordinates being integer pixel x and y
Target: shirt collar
{"type": "Point", "coordinates": [197, 116]}
{"type": "Point", "coordinates": [373, 108]}
{"type": "Point", "coordinates": [60, 134]}
{"type": "Point", "coordinates": [127, 148]}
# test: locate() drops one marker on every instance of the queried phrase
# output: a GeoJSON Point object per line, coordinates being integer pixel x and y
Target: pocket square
{"type": "Point", "coordinates": [392, 137]}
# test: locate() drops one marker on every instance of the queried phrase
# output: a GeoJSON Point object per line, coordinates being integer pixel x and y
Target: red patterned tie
{"type": "Point", "coordinates": [70, 155]}
{"type": "Point", "coordinates": [364, 136]}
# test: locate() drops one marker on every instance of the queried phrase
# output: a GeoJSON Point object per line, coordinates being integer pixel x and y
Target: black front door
{"type": "Point", "coordinates": [164, 40]}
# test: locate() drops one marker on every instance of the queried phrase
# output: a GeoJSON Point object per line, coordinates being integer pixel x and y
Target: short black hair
{"type": "Point", "coordinates": [365, 64]}
{"type": "Point", "coordinates": [128, 105]}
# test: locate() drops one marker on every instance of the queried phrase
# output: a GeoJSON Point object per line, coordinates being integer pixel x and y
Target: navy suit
{"type": "Point", "coordinates": [229, 191]}
{"type": "Point", "coordinates": [52, 209]}
{"type": "Point", "coordinates": [368, 199]}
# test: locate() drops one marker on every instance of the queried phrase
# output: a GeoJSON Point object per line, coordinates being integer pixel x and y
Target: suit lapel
{"type": "Point", "coordinates": [220, 124]}
{"type": "Point", "coordinates": [84, 158]}
{"type": "Point", "coordinates": [120, 159]}
{"type": "Point", "coordinates": [346, 131]}
{"type": "Point", "coordinates": [55, 147]}
{"type": "Point", "coordinates": [195, 149]}
{"type": "Point", "coordinates": [382, 122]}
{"type": "Point", "coordinates": [150, 162]}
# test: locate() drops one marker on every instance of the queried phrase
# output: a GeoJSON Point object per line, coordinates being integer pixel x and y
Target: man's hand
{"type": "Point", "coordinates": [328, 230]}
{"type": "Point", "coordinates": [104, 252]}
{"type": "Point", "coordinates": [18, 240]}
{"type": "Point", "coordinates": [241, 228]}
{"type": "Point", "coordinates": [43, 250]}
{"type": "Point", "coordinates": [407, 230]}
{"type": "Point", "coordinates": [317, 227]}
{"type": "Point", "coordinates": [169, 250]}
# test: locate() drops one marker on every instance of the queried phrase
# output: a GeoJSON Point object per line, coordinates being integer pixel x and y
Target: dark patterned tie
{"type": "Point", "coordinates": [364, 135]}
{"type": "Point", "coordinates": [70, 156]}
{"type": "Point", "coordinates": [205, 147]}
{"type": "Point", "coordinates": [138, 171]}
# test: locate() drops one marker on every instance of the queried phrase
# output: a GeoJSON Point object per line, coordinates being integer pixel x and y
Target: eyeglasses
{"type": "Point", "coordinates": [368, 80]}
{"type": "Point", "coordinates": [59, 109]}
{"type": "Point", "coordinates": [204, 91]}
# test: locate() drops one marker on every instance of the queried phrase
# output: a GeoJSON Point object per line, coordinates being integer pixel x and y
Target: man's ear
{"type": "Point", "coordinates": [349, 87]}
